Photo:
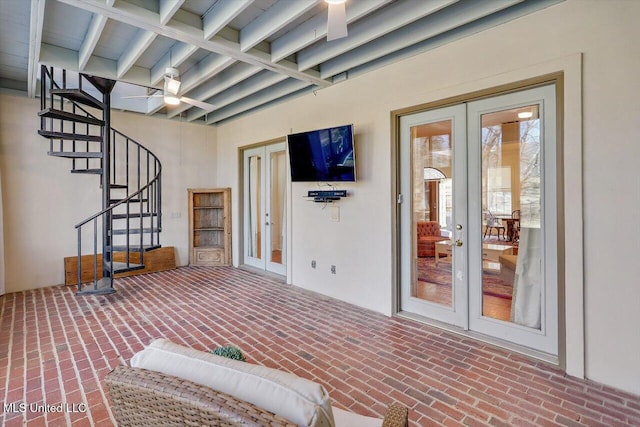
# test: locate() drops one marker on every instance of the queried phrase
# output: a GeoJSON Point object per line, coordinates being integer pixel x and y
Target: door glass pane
{"type": "Point", "coordinates": [254, 208]}
{"type": "Point", "coordinates": [277, 207]}
{"type": "Point", "coordinates": [431, 150]}
{"type": "Point", "coordinates": [511, 216]}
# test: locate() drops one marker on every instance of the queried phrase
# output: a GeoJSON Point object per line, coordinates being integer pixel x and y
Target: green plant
{"type": "Point", "coordinates": [229, 351]}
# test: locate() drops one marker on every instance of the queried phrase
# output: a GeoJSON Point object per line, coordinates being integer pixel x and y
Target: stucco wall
{"type": "Point", "coordinates": [595, 44]}
{"type": "Point", "coordinates": [42, 201]}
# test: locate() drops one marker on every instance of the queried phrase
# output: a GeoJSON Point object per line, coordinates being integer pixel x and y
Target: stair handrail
{"type": "Point", "coordinates": [127, 177]}
{"type": "Point", "coordinates": [152, 181]}
{"type": "Point", "coordinates": [132, 196]}
{"type": "Point", "coordinates": [54, 83]}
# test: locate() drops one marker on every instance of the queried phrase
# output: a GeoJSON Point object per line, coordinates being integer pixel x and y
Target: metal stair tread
{"type": "Point", "coordinates": [100, 83]}
{"type": "Point", "coordinates": [65, 115]}
{"type": "Point", "coordinates": [121, 267]}
{"type": "Point", "coordinates": [132, 248]}
{"type": "Point", "coordinates": [87, 171]}
{"type": "Point", "coordinates": [133, 215]}
{"type": "Point", "coordinates": [79, 96]}
{"type": "Point", "coordinates": [138, 200]}
{"type": "Point", "coordinates": [132, 230]}
{"type": "Point", "coordinates": [69, 136]}
{"type": "Point", "coordinates": [76, 154]}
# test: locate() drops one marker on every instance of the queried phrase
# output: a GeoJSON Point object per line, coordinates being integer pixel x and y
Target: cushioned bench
{"type": "Point", "coordinates": [168, 384]}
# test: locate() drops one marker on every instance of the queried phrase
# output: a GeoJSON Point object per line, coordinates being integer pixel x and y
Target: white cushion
{"type": "Point", "coordinates": [349, 419]}
{"type": "Point", "coordinates": [297, 399]}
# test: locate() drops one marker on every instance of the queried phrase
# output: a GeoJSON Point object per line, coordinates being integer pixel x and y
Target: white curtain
{"type": "Point", "coordinates": [2, 289]}
{"type": "Point", "coordinates": [527, 286]}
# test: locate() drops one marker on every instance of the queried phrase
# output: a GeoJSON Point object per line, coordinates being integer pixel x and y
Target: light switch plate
{"type": "Point", "coordinates": [335, 213]}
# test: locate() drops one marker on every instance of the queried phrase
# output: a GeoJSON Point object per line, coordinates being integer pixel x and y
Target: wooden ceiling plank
{"type": "Point", "coordinates": [211, 65]}
{"type": "Point", "coordinates": [91, 40]}
{"type": "Point", "coordinates": [150, 21]}
{"type": "Point", "coordinates": [36, 22]}
{"type": "Point", "coordinates": [413, 33]}
{"type": "Point", "coordinates": [247, 88]}
{"type": "Point", "coordinates": [168, 8]}
{"type": "Point", "coordinates": [272, 20]}
{"type": "Point", "coordinates": [226, 79]}
{"type": "Point", "coordinates": [366, 30]}
{"type": "Point", "coordinates": [280, 90]}
{"type": "Point", "coordinates": [219, 16]}
{"type": "Point", "coordinates": [134, 50]}
{"type": "Point", "coordinates": [175, 56]}
{"type": "Point", "coordinates": [315, 29]}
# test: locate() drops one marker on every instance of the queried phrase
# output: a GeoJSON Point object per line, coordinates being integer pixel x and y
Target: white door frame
{"type": "Point", "coordinates": [545, 340]}
{"type": "Point", "coordinates": [264, 262]}
{"type": "Point", "coordinates": [457, 313]}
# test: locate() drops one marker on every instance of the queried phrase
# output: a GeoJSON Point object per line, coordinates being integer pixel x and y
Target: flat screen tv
{"type": "Point", "coordinates": [322, 155]}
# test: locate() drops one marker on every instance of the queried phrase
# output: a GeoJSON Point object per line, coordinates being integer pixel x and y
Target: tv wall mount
{"type": "Point", "coordinates": [328, 196]}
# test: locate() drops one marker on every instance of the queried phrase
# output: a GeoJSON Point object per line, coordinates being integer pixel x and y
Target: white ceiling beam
{"type": "Point", "coordinates": [211, 65]}
{"type": "Point", "coordinates": [168, 8]}
{"type": "Point", "coordinates": [449, 19]}
{"type": "Point", "coordinates": [68, 59]}
{"type": "Point", "coordinates": [154, 104]}
{"type": "Point", "coordinates": [315, 29]}
{"type": "Point", "coordinates": [135, 49]}
{"type": "Point", "coordinates": [226, 79]}
{"type": "Point", "coordinates": [91, 39]}
{"type": "Point", "coordinates": [366, 30]}
{"type": "Point", "coordinates": [36, 21]}
{"type": "Point", "coordinates": [223, 12]}
{"type": "Point", "coordinates": [282, 89]}
{"type": "Point", "coordinates": [272, 20]}
{"type": "Point", "coordinates": [178, 53]}
{"type": "Point", "coordinates": [241, 90]}
{"type": "Point", "coordinates": [150, 21]}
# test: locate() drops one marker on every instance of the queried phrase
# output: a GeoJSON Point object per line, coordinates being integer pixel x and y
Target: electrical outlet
{"type": "Point", "coordinates": [175, 215]}
{"type": "Point", "coordinates": [313, 263]}
{"type": "Point", "coordinates": [333, 269]}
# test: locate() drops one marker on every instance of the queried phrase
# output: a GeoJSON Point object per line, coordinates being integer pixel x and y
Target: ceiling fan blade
{"type": "Point", "coordinates": [336, 21]}
{"type": "Point", "coordinates": [205, 106]}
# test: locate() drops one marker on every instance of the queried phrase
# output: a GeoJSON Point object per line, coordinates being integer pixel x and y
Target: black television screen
{"type": "Point", "coordinates": [322, 155]}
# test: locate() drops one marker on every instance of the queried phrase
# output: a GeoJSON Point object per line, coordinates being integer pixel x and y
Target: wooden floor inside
{"type": "Point", "coordinates": [492, 306]}
{"type": "Point", "coordinates": [57, 348]}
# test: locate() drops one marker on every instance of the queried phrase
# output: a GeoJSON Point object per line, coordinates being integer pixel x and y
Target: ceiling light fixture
{"type": "Point", "coordinates": [171, 99]}
{"type": "Point", "coordinates": [525, 115]}
{"type": "Point", "coordinates": [336, 19]}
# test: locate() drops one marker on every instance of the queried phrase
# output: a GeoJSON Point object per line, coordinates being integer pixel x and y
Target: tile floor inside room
{"type": "Point", "coordinates": [57, 348]}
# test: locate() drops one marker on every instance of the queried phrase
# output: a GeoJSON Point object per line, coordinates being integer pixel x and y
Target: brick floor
{"type": "Point", "coordinates": [56, 348]}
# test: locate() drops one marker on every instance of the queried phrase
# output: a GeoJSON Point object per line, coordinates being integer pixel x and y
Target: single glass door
{"type": "Point", "coordinates": [512, 211]}
{"type": "Point", "coordinates": [264, 208]}
{"type": "Point", "coordinates": [433, 262]}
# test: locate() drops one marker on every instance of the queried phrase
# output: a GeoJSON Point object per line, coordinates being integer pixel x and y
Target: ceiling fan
{"type": "Point", "coordinates": [336, 20]}
{"type": "Point", "coordinates": [170, 92]}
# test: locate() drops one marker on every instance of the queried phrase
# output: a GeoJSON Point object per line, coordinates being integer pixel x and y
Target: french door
{"type": "Point", "coordinates": [264, 208]}
{"type": "Point", "coordinates": [478, 215]}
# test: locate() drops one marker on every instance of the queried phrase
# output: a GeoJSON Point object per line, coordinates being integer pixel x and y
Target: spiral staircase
{"type": "Point", "coordinates": [77, 122]}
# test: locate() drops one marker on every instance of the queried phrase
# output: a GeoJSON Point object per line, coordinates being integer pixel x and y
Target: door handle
{"type": "Point", "coordinates": [458, 242]}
